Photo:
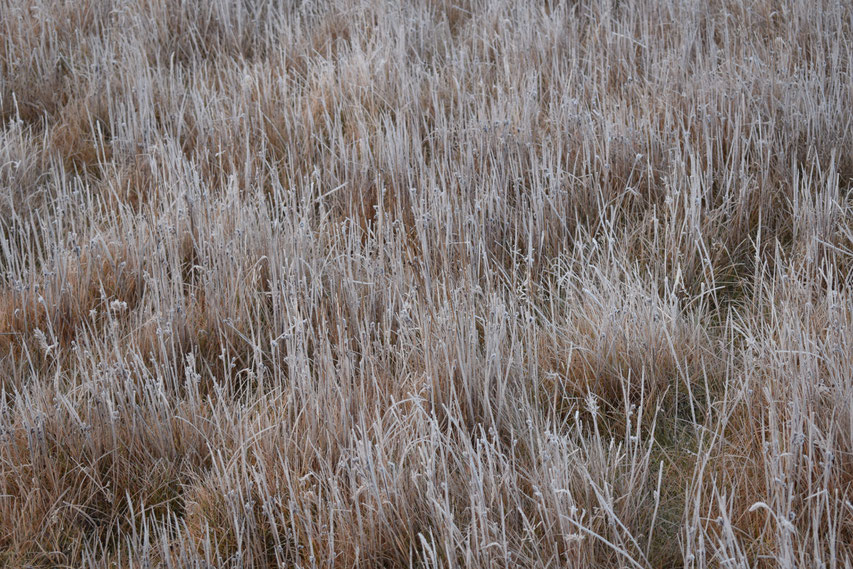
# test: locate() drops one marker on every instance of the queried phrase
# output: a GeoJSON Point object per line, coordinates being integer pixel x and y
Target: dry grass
{"type": "Point", "coordinates": [426, 284]}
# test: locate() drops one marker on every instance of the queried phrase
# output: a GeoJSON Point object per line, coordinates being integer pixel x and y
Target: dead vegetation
{"type": "Point", "coordinates": [426, 284]}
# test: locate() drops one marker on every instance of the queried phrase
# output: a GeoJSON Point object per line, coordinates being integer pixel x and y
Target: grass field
{"type": "Point", "coordinates": [427, 283]}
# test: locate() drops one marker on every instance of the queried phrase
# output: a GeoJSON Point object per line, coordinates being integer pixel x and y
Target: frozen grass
{"type": "Point", "coordinates": [426, 284]}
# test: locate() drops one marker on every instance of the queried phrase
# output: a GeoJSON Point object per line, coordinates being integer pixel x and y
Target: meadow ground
{"type": "Point", "coordinates": [426, 284]}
